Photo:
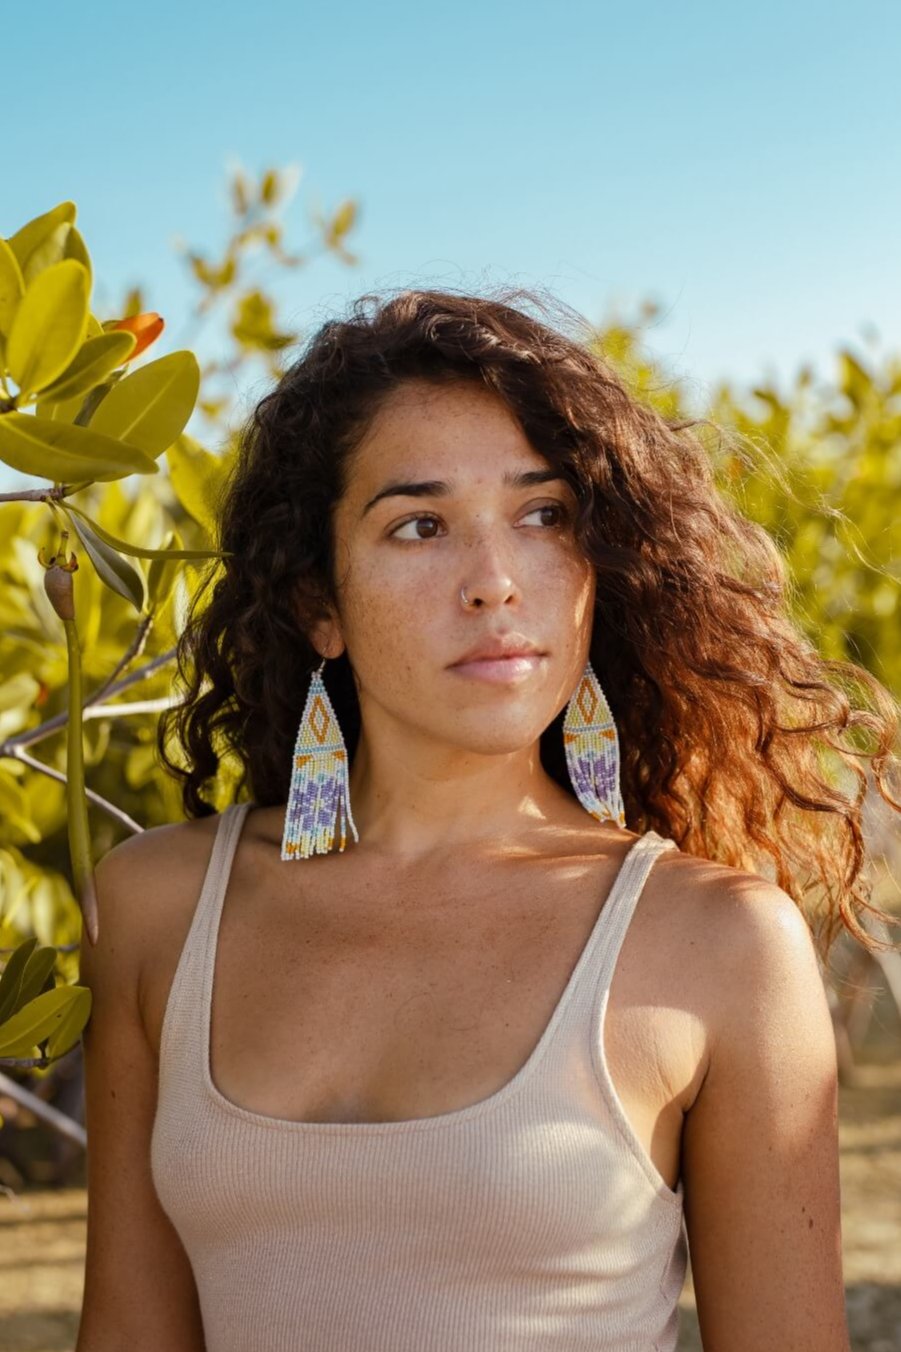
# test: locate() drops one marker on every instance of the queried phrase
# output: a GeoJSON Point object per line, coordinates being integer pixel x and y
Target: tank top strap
{"type": "Point", "coordinates": [191, 987]}
{"type": "Point", "coordinates": [212, 895]}
{"type": "Point", "coordinates": [592, 975]}
{"type": "Point", "coordinates": [622, 901]}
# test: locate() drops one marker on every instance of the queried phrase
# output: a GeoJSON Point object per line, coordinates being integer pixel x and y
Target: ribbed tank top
{"type": "Point", "coordinates": [529, 1221]}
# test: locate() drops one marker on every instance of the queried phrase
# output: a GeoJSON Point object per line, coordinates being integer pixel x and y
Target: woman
{"type": "Point", "coordinates": [457, 1029]}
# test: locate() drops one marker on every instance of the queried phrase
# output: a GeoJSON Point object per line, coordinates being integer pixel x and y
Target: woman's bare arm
{"type": "Point", "coordinates": [139, 1289]}
{"type": "Point", "coordinates": [760, 1145]}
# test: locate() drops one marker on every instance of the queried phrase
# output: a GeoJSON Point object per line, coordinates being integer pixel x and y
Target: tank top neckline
{"type": "Point", "coordinates": [211, 904]}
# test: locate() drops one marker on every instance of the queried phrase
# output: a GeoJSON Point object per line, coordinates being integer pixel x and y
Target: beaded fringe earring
{"type": "Point", "coordinates": [319, 780]}
{"type": "Point", "coordinates": [592, 750]}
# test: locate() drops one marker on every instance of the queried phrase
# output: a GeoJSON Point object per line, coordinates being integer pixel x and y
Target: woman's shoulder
{"type": "Point", "coordinates": [148, 885]}
{"type": "Point", "coordinates": [741, 915]}
{"type": "Point", "coordinates": [171, 832]}
{"type": "Point", "coordinates": [713, 942]}
{"type": "Point", "coordinates": [171, 851]}
{"type": "Point", "coordinates": [728, 904]}
{"type": "Point", "coordinates": [734, 935]}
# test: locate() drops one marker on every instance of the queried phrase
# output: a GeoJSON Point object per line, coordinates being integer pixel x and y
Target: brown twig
{"type": "Point", "coordinates": [51, 725]}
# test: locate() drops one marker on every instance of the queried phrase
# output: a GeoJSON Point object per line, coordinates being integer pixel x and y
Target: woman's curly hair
{"type": "Point", "coordinates": [738, 740]}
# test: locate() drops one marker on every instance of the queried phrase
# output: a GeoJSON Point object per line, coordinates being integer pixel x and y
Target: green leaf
{"type": "Point", "coordinates": [39, 1019]}
{"type": "Point", "coordinates": [68, 410]}
{"type": "Point", "coordinates": [163, 571]}
{"type": "Point", "coordinates": [18, 693]}
{"type": "Point", "coordinates": [71, 1025]}
{"type": "Point", "coordinates": [94, 359]}
{"type": "Point", "coordinates": [42, 241]}
{"type": "Point", "coordinates": [342, 221]}
{"type": "Point", "coordinates": [39, 966]}
{"type": "Point", "coordinates": [66, 453]}
{"type": "Point", "coordinates": [269, 188]}
{"type": "Point", "coordinates": [150, 407]}
{"type": "Point", "coordinates": [253, 324]}
{"type": "Point", "coordinates": [12, 286]}
{"type": "Point", "coordinates": [62, 410]}
{"type": "Point", "coordinates": [138, 551]}
{"type": "Point", "coordinates": [197, 477]}
{"type": "Point", "coordinates": [240, 189]}
{"type": "Point", "coordinates": [49, 325]}
{"type": "Point", "coordinates": [854, 380]}
{"type": "Point", "coordinates": [76, 248]}
{"type": "Point", "coordinates": [11, 980]}
{"type": "Point", "coordinates": [118, 574]}
{"type": "Point", "coordinates": [15, 810]}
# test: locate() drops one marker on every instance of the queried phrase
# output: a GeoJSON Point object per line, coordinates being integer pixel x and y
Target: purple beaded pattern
{"type": "Point", "coordinates": [592, 750]}
{"type": "Point", "coordinates": [318, 795]}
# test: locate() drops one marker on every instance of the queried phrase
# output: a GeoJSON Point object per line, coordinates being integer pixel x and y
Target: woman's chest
{"type": "Point", "coordinates": [356, 1012]}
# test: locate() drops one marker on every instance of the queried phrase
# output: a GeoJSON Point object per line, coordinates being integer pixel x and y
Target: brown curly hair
{"type": "Point", "coordinates": [730, 722]}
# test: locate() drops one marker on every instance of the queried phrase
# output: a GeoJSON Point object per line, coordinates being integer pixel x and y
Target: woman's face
{"type": "Point", "coordinates": [403, 553]}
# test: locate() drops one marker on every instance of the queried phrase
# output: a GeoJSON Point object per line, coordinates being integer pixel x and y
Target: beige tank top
{"type": "Point", "coordinates": [529, 1221]}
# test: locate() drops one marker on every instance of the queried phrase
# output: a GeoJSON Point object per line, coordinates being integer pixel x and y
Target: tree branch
{"type": "Point", "coordinates": [21, 755]}
{"type": "Point", "coordinates": [51, 725]}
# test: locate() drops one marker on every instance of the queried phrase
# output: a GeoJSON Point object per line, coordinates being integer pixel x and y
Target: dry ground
{"type": "Point", "coordinates": [42, 1236]}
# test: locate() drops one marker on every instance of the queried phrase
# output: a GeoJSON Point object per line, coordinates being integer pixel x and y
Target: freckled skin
{"type": "Point", "coordinates": [442, 757]}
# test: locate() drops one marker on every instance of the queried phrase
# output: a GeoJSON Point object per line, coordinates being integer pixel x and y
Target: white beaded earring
{"type": "Point", "coordinates": [591, 744]}
{"type": "Point", "coordinates": [319, 792]}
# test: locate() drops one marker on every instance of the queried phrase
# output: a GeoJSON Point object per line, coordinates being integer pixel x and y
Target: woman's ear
{"type": "Point", "coordinates": [325, 637]}
{"type": "Point", "coordinates": [319, 622]}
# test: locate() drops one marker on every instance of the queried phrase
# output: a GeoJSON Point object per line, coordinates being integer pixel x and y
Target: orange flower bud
{"type": "Point", "coordinates": [146, 328]}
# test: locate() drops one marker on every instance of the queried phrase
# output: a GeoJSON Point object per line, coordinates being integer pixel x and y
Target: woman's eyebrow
{"type": "Point", "coordinates": [440, 488]}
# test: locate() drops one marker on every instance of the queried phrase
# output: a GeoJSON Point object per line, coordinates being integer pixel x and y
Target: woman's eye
{"type": "Point", "coordinates": [412, 521]}
{"type": "Point", "coordinates": [559, 512]}
{"type": "Point", "coordinates": [562, 514]}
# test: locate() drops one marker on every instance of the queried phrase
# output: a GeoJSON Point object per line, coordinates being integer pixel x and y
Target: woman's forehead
{"type": "Point", "coordinates": [440, 408]}
{"type": "Point", "coordinates": [442, 433]}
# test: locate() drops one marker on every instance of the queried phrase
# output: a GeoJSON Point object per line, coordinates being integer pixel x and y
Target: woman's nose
{"type": "Point", "coordinates": [486, 574]}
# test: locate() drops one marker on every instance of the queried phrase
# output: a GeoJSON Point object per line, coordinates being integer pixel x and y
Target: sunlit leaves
{"type": "Point", "coordinates": [43, 241]}
{"type": "Point", "coordinates": [198, 478]}
{"type": "Point", "coordinates": [57, 1017]}
{"type": "Point", "coordinates": [66, 453]}
{"type": "Point", "coordinates": [135, 550]}
{"type": "Point", "coordinates": [13, 976]}
{"type": "Point", "coordinates": [216, 278]}
{"type": "Point", "coordinates": [342, 222]}
{"type": "Point", "coordinates": [253, 325]}
{"type": "Point", "coordinates": [33, 1010]}
{"type": "Point", "coordinates": [118, 574]}
{"type": "Point", "coordinates": [150, 407]}
{"type": "Point", "coordinates": [95, 359]}
{"type": "Point", "coordinates": [37, 974]}
{"type": "Point", "coordinates": [854, 380]}
{"type": "Point", "coordinates": [12, 287]}
{"type": "Point", "coordinates": [164, 570]}
{"type": "Point", "coordinates": [49, 325]}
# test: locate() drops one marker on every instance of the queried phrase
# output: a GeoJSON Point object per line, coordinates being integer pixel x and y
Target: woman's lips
{"type": "Point", "coordinates": [500, 669]}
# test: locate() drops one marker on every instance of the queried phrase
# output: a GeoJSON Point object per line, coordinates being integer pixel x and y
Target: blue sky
{"type": "Point", "coordinates": [739, 164]}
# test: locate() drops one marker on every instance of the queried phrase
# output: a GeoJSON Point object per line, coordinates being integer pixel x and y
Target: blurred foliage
{"type": "Point", "coordinates": [819, 466]}
{"type": "Point", "coordinates": [230, 283]}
